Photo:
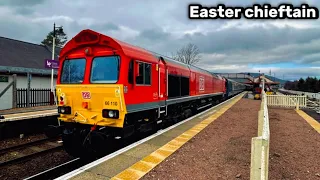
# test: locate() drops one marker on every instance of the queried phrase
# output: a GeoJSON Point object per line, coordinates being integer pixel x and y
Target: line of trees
{"type": "Point", "coordinates": [309, 84]}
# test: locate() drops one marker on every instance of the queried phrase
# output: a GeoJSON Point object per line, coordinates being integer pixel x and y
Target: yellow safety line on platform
{"type": "Point", "coordinates": [310, 120]}
{"type": "Point", "coordinates": [141, 168]}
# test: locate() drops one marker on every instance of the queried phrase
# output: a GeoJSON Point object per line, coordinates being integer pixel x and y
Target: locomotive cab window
{"type": "Point", "coordinates": [144, 75]}
{"type": "Point", "coordinates": [73, 71]}
{"type": "Point", "coordinates": [105, 69]}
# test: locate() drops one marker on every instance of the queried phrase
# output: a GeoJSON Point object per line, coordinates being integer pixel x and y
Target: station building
{"type": "Point", "coordinates": [27, 61]}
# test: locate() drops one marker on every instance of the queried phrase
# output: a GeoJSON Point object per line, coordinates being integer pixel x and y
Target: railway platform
{"type": "Point", "coordinates": [27, 113]}
{"type": "Point", "coordinates": [24, 121]}
{"type": "Point", "coordinates": [137, 159]}
{"type": "Point", "coordinates": [216, 144]}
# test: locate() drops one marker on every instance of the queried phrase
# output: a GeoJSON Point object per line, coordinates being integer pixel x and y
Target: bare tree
{"type": "Point", "coordinates": [189, 54]}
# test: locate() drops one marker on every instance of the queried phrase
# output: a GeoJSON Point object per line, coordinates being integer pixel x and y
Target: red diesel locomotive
{"type": "Point", "coordinates": [108, 90]}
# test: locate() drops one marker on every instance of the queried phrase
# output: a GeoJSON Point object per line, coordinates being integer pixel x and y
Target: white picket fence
{"type": "Point", "coordinates": [287, 101]}
{"type": "Point", "coordinates": [259, 167]}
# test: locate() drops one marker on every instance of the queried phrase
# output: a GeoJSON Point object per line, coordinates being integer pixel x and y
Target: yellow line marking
{"type": "Point", "coordinates": [194, 130]}
{"type": "Point", "coordinates": [142, 167]}
{"type": "Point", "coordinates": [168, 148]}
{"type": "Point", "coordinates": [310, 120]}
{"type": "Point", "coordinates": [152, 158]}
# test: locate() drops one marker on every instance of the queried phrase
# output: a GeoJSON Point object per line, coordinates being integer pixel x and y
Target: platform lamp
{"type": "Point", "coordinates": [60, 30]}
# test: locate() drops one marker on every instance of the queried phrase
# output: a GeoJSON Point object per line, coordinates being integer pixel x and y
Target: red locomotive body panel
{"type": "Point", "coordinates": [155, 90]}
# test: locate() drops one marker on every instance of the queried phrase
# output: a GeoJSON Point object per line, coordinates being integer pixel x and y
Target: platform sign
{"type": "Point", "coordinates": [51, 64]}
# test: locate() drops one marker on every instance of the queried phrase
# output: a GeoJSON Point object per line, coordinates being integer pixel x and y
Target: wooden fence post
{"type": "Point", "coordinates": [14, 91]}
{"type": "Point", "coordinates": [28, 89]}
{"type": "Point", "coordinates": [51, 98]}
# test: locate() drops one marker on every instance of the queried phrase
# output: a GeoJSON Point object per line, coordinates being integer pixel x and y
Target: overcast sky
{"type": "Point", "coordinates": [289, 48]}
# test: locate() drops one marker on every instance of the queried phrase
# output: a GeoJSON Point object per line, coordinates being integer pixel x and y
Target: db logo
{"type": "Point", "coordinates": [201, 83]}
{"type": "Point", "coordinates": [86, 95]}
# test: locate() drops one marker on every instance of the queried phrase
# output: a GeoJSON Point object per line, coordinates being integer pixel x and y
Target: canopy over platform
{"type": "Point", "coordinates": [258, 80]}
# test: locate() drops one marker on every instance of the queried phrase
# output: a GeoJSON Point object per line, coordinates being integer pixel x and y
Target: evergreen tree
{"type": "Point", "coordinates": [308, 85]}
{"type": "Point", "coordinates": [61, 38]}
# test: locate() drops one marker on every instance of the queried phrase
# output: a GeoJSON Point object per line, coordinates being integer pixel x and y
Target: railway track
{"type": "Point", "coordinates": [58, 170]}
{"type": "Point", "coordinates": [27, 151]}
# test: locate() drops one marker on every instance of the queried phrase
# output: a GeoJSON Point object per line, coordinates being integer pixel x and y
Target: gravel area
{"type": "Point", "coordinates": [15, 154]}
{"type": "Point", "coordinates": [294, 147]}
{"type": "Point", "coordinates": [17, 141]}
{"type": "Point", "coordinates": [221, 151]}
{"type": "Point", "coordinates": [34, 166]}
{"type": "Point", "coordinates": [25, 152]}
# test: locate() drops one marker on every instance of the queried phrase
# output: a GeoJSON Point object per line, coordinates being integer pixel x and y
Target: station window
{"type": "Point", "coordinates": [144, 77]}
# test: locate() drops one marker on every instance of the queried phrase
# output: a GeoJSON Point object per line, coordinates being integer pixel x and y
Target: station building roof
{"type": "Point", "coordinates": [23, 57]}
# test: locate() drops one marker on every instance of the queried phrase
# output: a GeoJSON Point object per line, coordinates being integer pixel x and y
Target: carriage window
{"type": "Point", "coordinates": [105, 69]}
{"type": "Point", "coordinates": [73, 71]}
{"type": "Point", "coordinates": [144, 77]}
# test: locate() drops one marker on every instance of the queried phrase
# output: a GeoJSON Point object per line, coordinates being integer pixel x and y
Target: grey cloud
{"type": "Point", "coordinates": [74, 27]}
{"type": "Point", "coordinates": [240, 46]}
{"type": "Point", "coordinates": [24, 10]}
{"type": "Point", "coordinates": [234, 39]}
{"type": "Point", "coordinates": [36, 32]}
{"type": "Point", "coordinates": [104, 27]}
{"type": "Point", "coordinates": [21, 31]}
{"type": "Point", "coordinates": [21, 2]}
{"type": "Point", "coordinates": [154, 34]}
{"type": "Point", "coordinates": [313, 59]}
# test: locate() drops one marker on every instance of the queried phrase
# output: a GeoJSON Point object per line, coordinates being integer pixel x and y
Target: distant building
{"type": "Point", "coordinates": [23, 58]}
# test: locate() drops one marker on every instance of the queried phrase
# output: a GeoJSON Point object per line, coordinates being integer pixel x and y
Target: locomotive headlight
{"type": "Point", "coordinates": [108, 113]}
{"type": "Point", "coordinates": [64, 109]}
{"type": "Point", "coordinates": [111, 114]}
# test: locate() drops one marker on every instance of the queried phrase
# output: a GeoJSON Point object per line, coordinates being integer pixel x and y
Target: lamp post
{"type": "Point", "coordinates": [60, 30]}
{"type": "Point", "coordinates": [263, 82]}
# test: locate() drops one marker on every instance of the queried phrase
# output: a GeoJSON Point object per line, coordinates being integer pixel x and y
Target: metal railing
{"type": "Point", "coordinates": [294, 101]}
{"type": "Point", "coordinates": [33, 97]}
{"type": "Point", "coordinates": [260, 145]}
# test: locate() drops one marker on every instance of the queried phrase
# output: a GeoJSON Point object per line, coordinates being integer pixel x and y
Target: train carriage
{"type": "Point", "coordinates": [108, 89]}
